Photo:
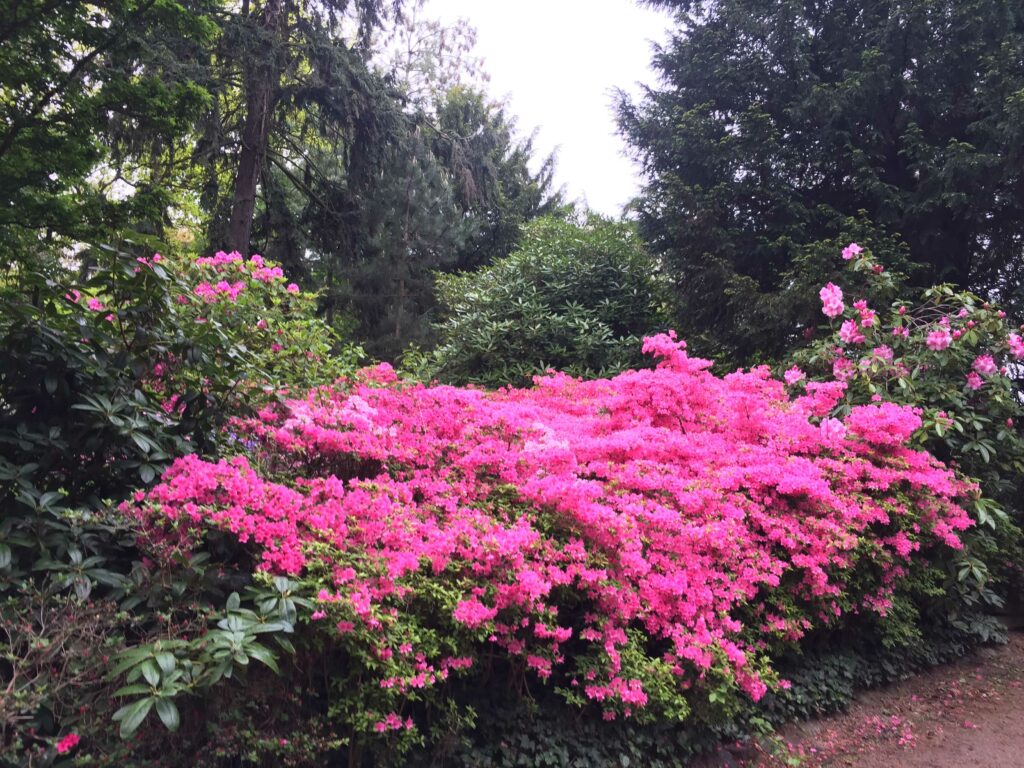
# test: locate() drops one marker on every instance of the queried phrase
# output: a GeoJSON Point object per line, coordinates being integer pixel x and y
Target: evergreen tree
{"type": "Point", "coordinates": [776, 121]}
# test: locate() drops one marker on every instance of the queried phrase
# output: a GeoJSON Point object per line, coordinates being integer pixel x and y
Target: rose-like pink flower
{"type": "Point", "coordinates": [850, 333]}
{"type": "Point", "coordinates": [95, 305]}
{"type": "Point", "coordinates": [793, 375]}
{"type": "Point", "coordinates": [974, 381]}
{"type": "Point", "coordinates": [851, 251]}
{"type": "Point", "coordinates": [939, 339]}
{"type": "Point", "coordinates": [985, 365]}
{"type": "Point", "coordinates": [1016, 344]}
{"type": "Point", "coordinates": [831, 300]}
{"type": "Point", "coordinates": [292, 288]}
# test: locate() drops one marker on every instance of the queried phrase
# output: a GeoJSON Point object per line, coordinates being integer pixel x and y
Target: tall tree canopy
{"type": "Point", "coordinates": [778, 120]}
{"type": "Point", "coordinates": [87, 90]}
{"type": "Point", "coordinates": [267, 126]}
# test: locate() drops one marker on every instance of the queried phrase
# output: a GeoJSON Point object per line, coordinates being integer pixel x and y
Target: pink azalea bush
{"type": "Point", "coordinates": [642, 542]}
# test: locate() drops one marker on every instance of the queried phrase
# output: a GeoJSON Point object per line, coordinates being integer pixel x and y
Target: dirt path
{"type": "Point", "coordinates": [966, 715]}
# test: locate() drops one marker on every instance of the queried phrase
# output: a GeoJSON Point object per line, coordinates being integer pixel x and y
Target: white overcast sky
{"type": "Point", "coordinates": [555, 63]}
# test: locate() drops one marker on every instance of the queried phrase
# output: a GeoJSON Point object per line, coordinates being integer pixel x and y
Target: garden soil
{"type": "Point", "coordinates": [969, 714]}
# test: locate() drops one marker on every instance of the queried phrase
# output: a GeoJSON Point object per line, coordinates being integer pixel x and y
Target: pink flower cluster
{"type": "Point", "coordinates": [709, 514]}
{"type": "Point", "coordinates": [939, 339]}
{"type": "Point", "coordinates": [852, 251]}
{"type": "Point", "coordinates": [224, 264]}
{"type": "Point", "coordinates": [223, 289]}
{"type": "Point", "coordinates": [832, 300]}
{"type": "Point", "coordinates": [1016, 345]}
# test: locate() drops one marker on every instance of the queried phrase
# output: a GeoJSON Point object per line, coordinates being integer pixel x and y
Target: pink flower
{"type": "Point", "coordinates": [851, 251]}
{"type": "Point", "coordinates": [68, 743]}
{"type": "Point", "coordinates": [317, 615]}
{"type": "Point", "coordinates": [850, 333]}
{"type": "Point", "coordinates": [831, 300]}
{"type": "Point", "coordinates": [974, 381]}
{"type": "Point", "coordinates": [472, 613]}
{"type": "Point", "coordinates": [73, 296]}
{"type": "Point", "coordinates": [95, 305]}
{"type": "Point", "coordinates": [1016, 345]}
{"type": "Point", "coordinates": [832, 431]}
{"type": "Point", "coordinates": [985, 365]}
{"type": "Point", "coordinates": [939, 339]}
{"type": "Point", "coordinates": [292, 288]}
{"type": "Point", "coordinates": [793, 375]}
{"type": "Point", "coordinates": [867, 315]}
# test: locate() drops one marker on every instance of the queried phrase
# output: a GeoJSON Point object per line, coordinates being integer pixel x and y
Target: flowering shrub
{"type": "Point", "coordinates": [953, 356]}
{"type": "Point", "coordinates": [106, 375]}
{"type": "Point", "coordinates": [644, 543]}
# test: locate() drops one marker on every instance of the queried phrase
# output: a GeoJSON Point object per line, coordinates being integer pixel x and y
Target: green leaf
{"type": "Point", "coordinates": [132, 690]}
{"type": "Point", "coordinates": [166, 662]}
{"type": "Point", "coordinates": [132, 715]}
{"type": "Point", "coordinates": [168, 712]}
{"type": "Point", "coordinates": [263, 654]}
{"type": "Point", "coordinates": [150, 672]}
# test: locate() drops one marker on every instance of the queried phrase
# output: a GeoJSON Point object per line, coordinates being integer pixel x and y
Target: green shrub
{"type": "Point", "coordinates": [575, 297]}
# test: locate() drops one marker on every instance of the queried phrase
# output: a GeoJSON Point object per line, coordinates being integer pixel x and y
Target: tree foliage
{"type": "Point", "coordinates": [777, 121]}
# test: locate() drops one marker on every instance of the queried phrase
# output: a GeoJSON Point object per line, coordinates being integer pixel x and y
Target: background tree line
{"type": "Point", "coordinates": [294, 129]}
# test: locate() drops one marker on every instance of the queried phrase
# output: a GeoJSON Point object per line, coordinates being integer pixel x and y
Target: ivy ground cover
{"type": "Point", "coordinates": [644, 543]}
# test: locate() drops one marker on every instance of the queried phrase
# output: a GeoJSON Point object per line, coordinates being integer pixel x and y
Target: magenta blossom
{"type": "Point", "coordinates": [794, 375]}
{"type": "Point", "coordinates": [1016, 345]}
{"type": "Point", "coordinates": [985, 365]}
{"type": "Point", "coordinates": [831, 300]}
{"type": "Point", "coordinates": [68, 743]}
{"type": "Point", "coordinates": [850, 333]}
{"type": "Point", "coordinates": [852, 251]}
{"type": "Point", "coordinates": [939, 339]}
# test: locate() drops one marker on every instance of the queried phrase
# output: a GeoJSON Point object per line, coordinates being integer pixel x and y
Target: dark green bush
{"type": "Point", "coordinates": [574, 297]}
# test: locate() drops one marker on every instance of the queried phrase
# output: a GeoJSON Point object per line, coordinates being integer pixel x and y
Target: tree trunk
{"type": "Point", "coordinates": [262, 79]}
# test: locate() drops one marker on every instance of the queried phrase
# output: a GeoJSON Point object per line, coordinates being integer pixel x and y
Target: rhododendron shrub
{"type": "Point", "coordinates": [273, 322]}
{"type": "Point", "coordinates": [109, 369]}
{"type": "Point", "coordinates": [644, 543]}
{"type": "Point", "coordinates": [956, 358]}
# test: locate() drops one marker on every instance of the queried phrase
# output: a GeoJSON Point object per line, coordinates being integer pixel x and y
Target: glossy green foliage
{"type": "Point", "coordinates": [576, 297]}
